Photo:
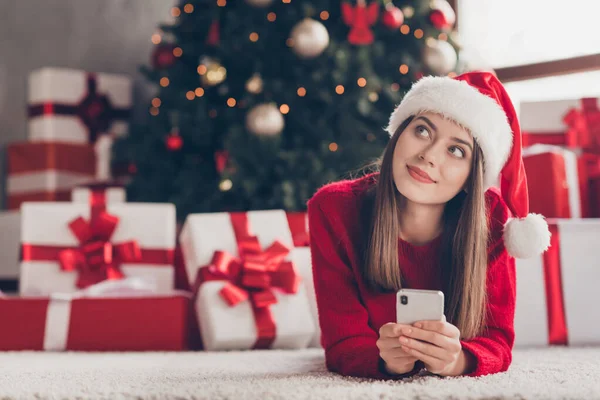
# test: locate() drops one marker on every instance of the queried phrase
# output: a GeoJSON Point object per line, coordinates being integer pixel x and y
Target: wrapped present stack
{"type": "Point", "coordinates": [555, 291]}
{"type": "Point", "coordinates": [73, 117]}
{"type": "Point", "coordinates": [96, 274]}
{"type": "Point", "coordinates": [561, 154]}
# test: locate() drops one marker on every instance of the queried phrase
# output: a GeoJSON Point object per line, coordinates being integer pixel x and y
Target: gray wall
{"type": "Point", "coordinates": [94, 35]}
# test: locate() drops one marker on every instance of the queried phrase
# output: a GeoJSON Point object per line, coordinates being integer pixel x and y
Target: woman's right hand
{"type": "Point", "coordinates": [397, 361]}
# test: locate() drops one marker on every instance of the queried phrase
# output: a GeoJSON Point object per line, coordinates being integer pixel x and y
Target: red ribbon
{"type": "Point", "coordinates": [297, 223]}
{"type": "Point", "coordinates": [96, 258]}
{"type": "Point", "coordinates": [95, 110]}
{"type": "Point", "coordinates": [254, 275]}
{"type": "Point", "coordinates": [557, 325]}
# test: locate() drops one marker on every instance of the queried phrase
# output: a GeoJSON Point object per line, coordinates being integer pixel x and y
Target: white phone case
{"type": "Point", "coordinates": [413, 305]}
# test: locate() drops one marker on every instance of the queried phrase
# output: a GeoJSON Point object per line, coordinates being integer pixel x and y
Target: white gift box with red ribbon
{"type": "Point", "coordinates": [557, 291]}
{"type": "Point", "coordinates": [75, 106]}
{"type": "Point", "coordinates": [68, 246]}
{"type": "Point", "coordinates": [248, 292]}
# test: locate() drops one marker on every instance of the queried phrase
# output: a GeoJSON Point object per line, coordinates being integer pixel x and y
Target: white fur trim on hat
{"type": "Point", "coordinates": [461, 102]}
{"type": "Point", "coordinates": [526, 237]}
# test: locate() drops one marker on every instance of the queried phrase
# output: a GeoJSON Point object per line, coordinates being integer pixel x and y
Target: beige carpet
{"type": "Point", "coordinates": [556, 373]}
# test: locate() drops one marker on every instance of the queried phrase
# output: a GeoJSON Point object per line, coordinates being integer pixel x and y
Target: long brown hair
{"type": "Point", "coordinates": [463, 248]}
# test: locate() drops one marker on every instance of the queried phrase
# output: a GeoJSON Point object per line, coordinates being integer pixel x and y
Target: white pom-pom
{"type": "Point", "coordinates": [526, 237]}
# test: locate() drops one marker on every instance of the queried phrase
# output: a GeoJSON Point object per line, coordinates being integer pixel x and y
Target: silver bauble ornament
{"type": "Point", "coordinates": [265, 120]}
{"type": "Point", "coordinates": [440, 57]}
{"type": "Point", "coordinates": [309, 38]}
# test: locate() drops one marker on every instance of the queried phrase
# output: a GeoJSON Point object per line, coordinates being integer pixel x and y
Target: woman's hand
{"type": "Point", "coordinates": [397, 361]}
{"type": "Point", "coordinates": [437, 344]}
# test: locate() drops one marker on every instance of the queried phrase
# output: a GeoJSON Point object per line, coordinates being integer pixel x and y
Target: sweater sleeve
{"type": "Point", "coordinates": [348, 340]}
{"type": "Point", "coordinates": [493, 349]}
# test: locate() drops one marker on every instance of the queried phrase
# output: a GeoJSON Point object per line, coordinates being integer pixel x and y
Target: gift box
{"type": "Point", "coordinates": [68, 246]}
{"type": "Point", "coordinates": [298, 223]}
{"type": "Point", "coordinates": [10, 231]}
{"type": "Point", "coordinates": [560, 180]}
{"type": "Point", "coordinates": [96, 321]}
{"type": "Point", "coordinates": [46, 171]}
{"type": "Point", "coordinates": [104, 192]}
{"type": "Point", "coordinates": [571, 123]}
{"type": "Point", "coordinates": [556, 292]}
{"type": "Point", "coordinates": [74, 106]}
{"type": "Point", "coordinates": [248, 292]}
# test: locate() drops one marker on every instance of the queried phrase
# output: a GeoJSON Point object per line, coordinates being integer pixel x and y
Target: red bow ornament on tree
{"type": "Point", "coordinates": [360, 19]}
{"type": "Point", "coordinates": [254, 275]}
{"type": "Point", "coordinates": [97, 259]}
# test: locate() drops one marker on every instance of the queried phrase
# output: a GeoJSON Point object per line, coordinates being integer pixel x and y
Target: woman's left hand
{"type": "Point", "coordinates": [437, 344]}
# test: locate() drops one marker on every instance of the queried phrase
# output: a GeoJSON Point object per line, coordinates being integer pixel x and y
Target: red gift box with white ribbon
{"type": "Point", "coordinates": [557, 291]}
{"type": "Point", "coordinates": [248, 293]}
{"type": "Point", "coordinates": [47, 171]}
{"type": "Point", "coordinates": [125, 315]}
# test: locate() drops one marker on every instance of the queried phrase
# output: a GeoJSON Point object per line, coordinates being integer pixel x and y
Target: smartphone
{"type": "Point", "coordinates": [413, 305]}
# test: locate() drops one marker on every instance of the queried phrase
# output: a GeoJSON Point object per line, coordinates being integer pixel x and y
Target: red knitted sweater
{"type": "Point", "coordinates": [350, 314]}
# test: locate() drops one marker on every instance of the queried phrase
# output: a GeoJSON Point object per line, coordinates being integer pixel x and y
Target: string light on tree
{"type": "Point", "coordinates": [254, 85]}
{"type": "Point", "coordinates": [225, 185]}
{"type": "Point", "coordinates": [265, 120]}
{"type": "Point", "coordinates": [309, 38]}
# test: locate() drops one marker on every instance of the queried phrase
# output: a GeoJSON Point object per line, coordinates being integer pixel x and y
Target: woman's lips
{"type": "Point", "coordinates": [419, 175]}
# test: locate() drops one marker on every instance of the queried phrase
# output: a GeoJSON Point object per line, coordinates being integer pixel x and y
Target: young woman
{"type": "Point", "coordinates": [431, 218]}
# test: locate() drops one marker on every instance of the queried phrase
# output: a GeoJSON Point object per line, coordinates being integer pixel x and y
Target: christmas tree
{"type": "Point", "coordinates": [261, 102]}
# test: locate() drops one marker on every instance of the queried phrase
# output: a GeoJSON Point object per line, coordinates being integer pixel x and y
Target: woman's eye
{"type": "Point", "coordinates": [457, 151]}
{"type": "Point", "coordinates": [422, 131]}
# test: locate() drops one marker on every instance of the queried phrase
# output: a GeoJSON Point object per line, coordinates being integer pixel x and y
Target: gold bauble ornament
{"type": "Point", "coordinates": [215, 73]}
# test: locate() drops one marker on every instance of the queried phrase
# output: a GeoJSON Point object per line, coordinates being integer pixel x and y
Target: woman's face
{"type": "Point", "coordinates": [432, 159]}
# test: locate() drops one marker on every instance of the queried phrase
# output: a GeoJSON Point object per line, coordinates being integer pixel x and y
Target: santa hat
{"type": "Point", "coordinates": [479, 102]}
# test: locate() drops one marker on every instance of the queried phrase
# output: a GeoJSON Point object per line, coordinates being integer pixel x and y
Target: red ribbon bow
{"type": "Point", "coordinates": [97, 259]}
{"type": "Point", "coordinates": [254, 275]}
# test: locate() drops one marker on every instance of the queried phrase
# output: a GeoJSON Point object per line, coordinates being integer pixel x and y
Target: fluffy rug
{"type": "Point", "coordinates": [554, 373]}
